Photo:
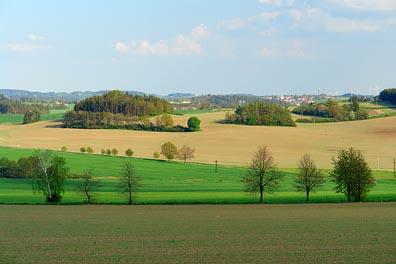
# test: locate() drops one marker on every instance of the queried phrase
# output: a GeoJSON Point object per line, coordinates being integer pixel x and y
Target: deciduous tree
{"type": "Point", "coordinates": [129, 182]}
{"type": "Point", "coordinates": [262, 175]}
{"type": "Point", "coordinates": [169, 150]}
{"type": "Point", "coordinates": [89, 186]}
{"type": "Point", "coordinates": [50, 176]}
{"type": "Point", "coordinates": [352, 175]}
{"type": "Point", "coordinates": [129, 152]}
{"type": "Point", "coordinates": [194, 124]}
{"type": "Point", "coordinates": [186, 152]}
{"type": "Point", "coordinates": [309, 177]}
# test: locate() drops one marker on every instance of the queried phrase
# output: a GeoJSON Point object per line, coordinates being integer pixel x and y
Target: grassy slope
{"type": "Point", "coordinates": [175, 182]}
{"type": "Point", "coordinates": [347, 233]}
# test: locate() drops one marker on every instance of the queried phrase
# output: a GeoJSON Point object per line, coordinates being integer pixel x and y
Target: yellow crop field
{"type": "Point", "coordinates": [229, 144]}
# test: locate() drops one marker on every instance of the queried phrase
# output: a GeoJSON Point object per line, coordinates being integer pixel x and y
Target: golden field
{"type": "Point", "coordinates": [229, 144]}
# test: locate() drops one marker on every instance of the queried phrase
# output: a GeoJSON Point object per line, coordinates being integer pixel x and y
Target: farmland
{"type": "Point", "coordinates": [229, 144]}
{"type": "Point", "coordinates": [199, 233]}
{"type": "Point", "coordinates": [175, 183]}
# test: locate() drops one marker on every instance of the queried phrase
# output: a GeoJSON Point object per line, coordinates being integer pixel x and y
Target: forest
{"type": "Point", "coordinates": [8, 106]}
{"type": "Point", "coordinates": [261, 113]}
{"type": "Point", "coordinates": [331, 109]}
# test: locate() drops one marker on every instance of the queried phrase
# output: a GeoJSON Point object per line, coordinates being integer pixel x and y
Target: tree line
{"type": "Point", "coordinates": [260, 113]}
{"type": "Point", "coordinates": [388, 95]}
{"type": "Point", "coordinates": [8, 106]}
{"type": "Point", "coordinates": [332, 110]}
{"type": "Point", "coordinates": [227, 101]}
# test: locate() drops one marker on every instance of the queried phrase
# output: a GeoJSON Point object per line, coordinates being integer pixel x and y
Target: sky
{"type": "Point", "coordinates": [261, 47]}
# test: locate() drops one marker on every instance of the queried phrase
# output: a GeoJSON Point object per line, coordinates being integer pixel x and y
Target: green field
{"type": "Point", "coordinates": [175, 183]}
{"type": "Point", "coordinates": [318, 233]}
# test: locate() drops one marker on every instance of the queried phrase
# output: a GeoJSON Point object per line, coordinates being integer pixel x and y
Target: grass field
{"type": "Point", "coordinates": [321, 233]}
{"type": "Point", "coordinates": [175, 183]}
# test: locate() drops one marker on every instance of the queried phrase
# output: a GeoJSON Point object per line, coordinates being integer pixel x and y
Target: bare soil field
{"type": "Point", "coordinates": [315, 233]}
{"type": "Point", "coordinates": [229, 144]}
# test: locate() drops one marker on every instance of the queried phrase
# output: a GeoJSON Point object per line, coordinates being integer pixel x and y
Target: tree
{"type": "Point", "coordinates": [114, 152]}
{"type": "Point", "coordinates": [88, 186]}
{"type": "Point", "coordinates": [129, 152]}
{"type": "Point", "coordinates": [31, 117]}
{"type": "Point", "coordinates": [83, 150]}
{"type": "Point", "coordinates": [351, 174]}
{"type": "Point", "coordinates": [90, 150]}
{"type": "Point", "coordinates": [103, 151]}
{"type": "Point", "coordinates": [108, 152]}
{"type": "Point", "coordinates": [309, 178]}
{"type": "Point", "coordinates": [262, 175]}
{"type": "Point", "coordinates": [185, 153]}
{"type": "Point", "coordinates": [50, 176]}
{"type": "Point", "coordinates": [129, 182]}
{"type": "Point", "coordinates": [166, 121]}
{"type": "Point", "coordinates": [156, 155]}
{"type": "Point", "coordinates": [64, 149]}
{"type": "Point", "coordinates": [169, 150]}
{"type": "Point", "coordinates": [194, 123]}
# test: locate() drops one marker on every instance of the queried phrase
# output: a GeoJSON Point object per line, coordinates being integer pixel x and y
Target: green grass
{"type": "Point", "coordinates": [175, 183]}
{"type": "Point", "coordinates": [316, 233]}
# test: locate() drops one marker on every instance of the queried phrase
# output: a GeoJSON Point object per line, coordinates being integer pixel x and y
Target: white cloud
{"type": "Point", "coordinates": [333, 24]}
{"type": "Point", "coordinates": [180, 45]}
{"type": "Point", "coordinates": [121, 47]}
{"type": "Point", "coordinates": [392, 21]}
{"type": "Point", "coordinates": [277, 2]}
{"type": "Point", "coordinates": [35, 37]}
{"type": "Point", "coordinates": [22, 47]}
{"type": "Point", "coordinates": [269, 15]}
{"type": "Point", "coordinates": [266, 52]}
{"type": "Point", "coordinates": [367, 4]}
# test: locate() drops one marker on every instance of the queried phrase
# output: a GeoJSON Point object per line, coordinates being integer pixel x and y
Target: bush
{"type": "Point", "coordinates": [156, 155]}
{"type": "Point", "coordinates": [129, 152]}
{"type": "Point", "coordinates": [90, 150]}
{"type": "Point", "coordinates": [114, 152]}
{"type": "Point", "coordinates": [82, 149]}
{"type": "Point", "coordinates": [64, 149]}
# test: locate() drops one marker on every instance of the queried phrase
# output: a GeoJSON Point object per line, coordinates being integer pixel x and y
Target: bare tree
{"type": "Point", "coordinates": [262, 175]}
{"type": "Point", "coordinates": [309, 178]}
{"type": "Point", "coordinates": [186, 152]}
{"type": "Point", "coordinates": [89, 186]}
{"type": "Point", "coordinates": [129, 183]}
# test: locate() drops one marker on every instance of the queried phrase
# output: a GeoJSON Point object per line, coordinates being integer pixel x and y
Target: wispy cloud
{"type": "Point", "coordinates": [385, 5]}
{"type": "Point", "coordinates": [22, 47]}
{"type": "Point", "coordinates": [277, 2]}
{"type": "Point", "coordinates": [35, 37]}
{"type": "Point", "coordinates": [182, 44]}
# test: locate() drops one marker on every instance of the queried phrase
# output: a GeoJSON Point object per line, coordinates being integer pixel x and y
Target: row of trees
{"type": "Point", "coordinates": [8, 106]}
{"type": "Point", "coordinates": [331, 109]}
{"type": "Point", "coordinates": [260, 113]}
{"type": "Point", "coordinates": [351, 174]}
{"type": "Point", "coordinates": [227, 101]}
{"type": "Point", "coordinates": [49, 172]}
{"type": "Point", "coordinates": [84, 119]}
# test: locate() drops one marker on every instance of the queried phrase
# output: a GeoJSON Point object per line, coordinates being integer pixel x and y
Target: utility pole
{"type": "Point", "coordinates": [216, 166]}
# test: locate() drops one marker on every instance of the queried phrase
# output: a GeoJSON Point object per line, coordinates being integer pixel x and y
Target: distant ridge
{"type": "Point", "coordinates": [69, 97]}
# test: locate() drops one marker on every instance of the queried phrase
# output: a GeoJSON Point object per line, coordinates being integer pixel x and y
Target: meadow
{"type": "Point", "coordinates": [164, 182]}
{"type": "Point", "coordinates": [318, 233]}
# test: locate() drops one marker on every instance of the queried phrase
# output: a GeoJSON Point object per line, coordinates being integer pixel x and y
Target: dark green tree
{"type": "Point", "coordinates": [50, 176]}
{"type": "Point", "coordinates": [194, 124]}
{"type": "Point", "coordinates": [309, 177]}
{"type": "Point", "coordinates": [352, 175]}
{"type": "Point", "coordinates": [31, 117]}
{"type": "Point", "coordinates": [262, 175]}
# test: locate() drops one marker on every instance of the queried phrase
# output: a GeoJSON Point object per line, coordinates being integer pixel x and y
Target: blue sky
{"type": "Point", "coordinates": [202, 47]}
